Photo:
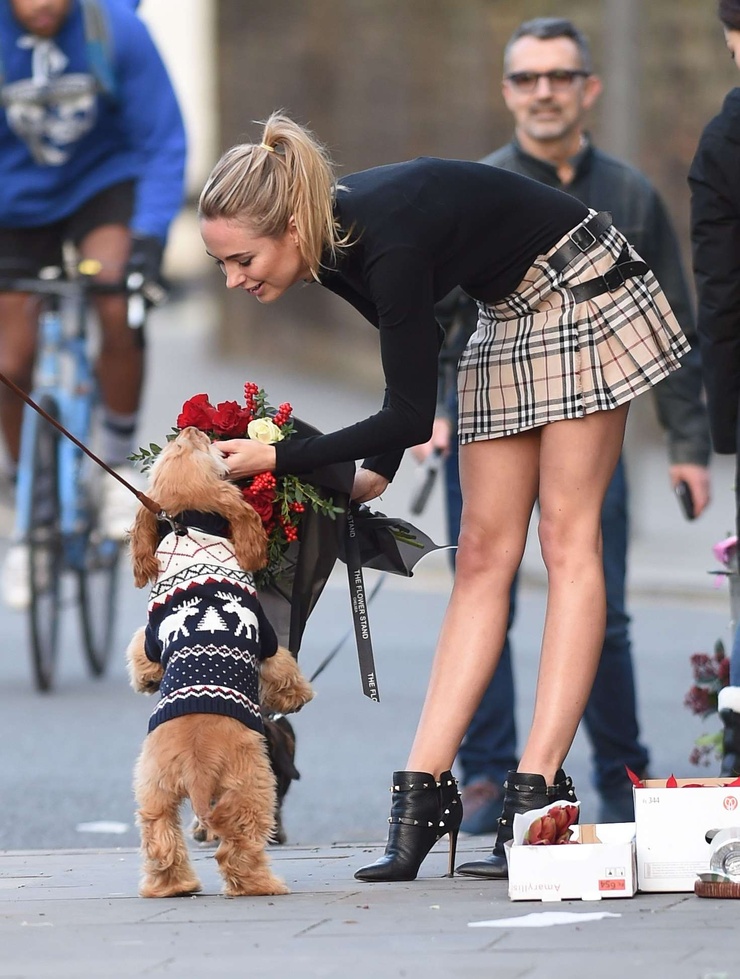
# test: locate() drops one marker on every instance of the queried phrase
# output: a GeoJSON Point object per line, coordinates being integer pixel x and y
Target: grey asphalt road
{"type": "Point", "coordinates": [66, 758]}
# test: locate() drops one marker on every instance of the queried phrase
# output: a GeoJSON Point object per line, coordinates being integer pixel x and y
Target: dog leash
{"type": "Point", "coordinates": [325, 662]}
{"type": "Point", "coordinates": [327, 659]}
{"type": "Point", "coordinates": [145, 501]}
{"type": "Point", "coordinates": [360, 599]}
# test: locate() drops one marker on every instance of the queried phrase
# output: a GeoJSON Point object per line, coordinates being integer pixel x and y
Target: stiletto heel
{"type": "Point", "coordinates": [453, 850]}
{"type": "Point", "coordinates": [452, 814]}
{"type": "Point", "coordinates": [522, 793]}
{"type": "Point", "coordinates": [422, 812]}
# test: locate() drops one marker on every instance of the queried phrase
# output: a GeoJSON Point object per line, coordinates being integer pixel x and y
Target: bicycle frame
{"type": "Point", "coordinates": [63, 374]}
{"type": "Point", "coordinates": [63, 534]}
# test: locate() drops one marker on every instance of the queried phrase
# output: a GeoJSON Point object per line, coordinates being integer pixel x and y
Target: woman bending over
{"type": "Point", "coordinates": [572, 326]}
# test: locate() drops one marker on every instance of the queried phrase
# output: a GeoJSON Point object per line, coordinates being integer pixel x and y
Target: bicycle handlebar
{"type": "Point", "coordinates": [135, 287]}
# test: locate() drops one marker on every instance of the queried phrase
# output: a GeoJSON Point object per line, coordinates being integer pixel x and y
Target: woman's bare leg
{"type": "Point", "coordinates": [499, 480]}
{"type": "Point", "coordinates": [568, 465]}
{"type": "Point", "coordinates": [577, 460]}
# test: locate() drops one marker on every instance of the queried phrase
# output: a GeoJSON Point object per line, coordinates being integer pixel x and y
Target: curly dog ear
{"type": "Point", "coordinates": [249, 537]}
{"type": "Point", "coordinates": [144, 540]}
{"type": "Point", "coordinates": [247, 532]}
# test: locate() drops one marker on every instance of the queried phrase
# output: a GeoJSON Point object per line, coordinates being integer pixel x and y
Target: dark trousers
{"type": "Point", "coordinates": [735, 653]}
{"type": "Point", "coordinates": [489, 748]}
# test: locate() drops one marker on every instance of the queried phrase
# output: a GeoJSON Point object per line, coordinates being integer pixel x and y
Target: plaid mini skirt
{"type": "Point", "coordinates": [539, 355]}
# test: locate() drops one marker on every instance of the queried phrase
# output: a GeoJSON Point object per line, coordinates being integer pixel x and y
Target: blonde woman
{"type": "Point", "coordinates": [572, 326]}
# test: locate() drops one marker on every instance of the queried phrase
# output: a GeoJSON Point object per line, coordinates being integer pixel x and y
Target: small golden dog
{"type": "Point", "coordinates": [213, 655]}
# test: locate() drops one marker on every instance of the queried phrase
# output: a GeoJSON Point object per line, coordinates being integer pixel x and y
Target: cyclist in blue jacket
{"type": "Point", "coordinates": [92, 152]}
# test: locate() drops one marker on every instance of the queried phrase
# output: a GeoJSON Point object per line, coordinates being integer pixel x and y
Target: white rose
{"type": "Point", "coordinates": [265, 431]}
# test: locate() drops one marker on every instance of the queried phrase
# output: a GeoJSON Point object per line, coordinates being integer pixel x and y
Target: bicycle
{"type": "Point", "coordinates": [56, 493]}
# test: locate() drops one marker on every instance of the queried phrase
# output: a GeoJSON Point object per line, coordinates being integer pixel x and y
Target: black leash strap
{"type": "Point", "coordinates": [359, 612]}
{"type": "Point", "coordinates": [141, 497]}
{"type": "Point", "coordinates": [328, 658]}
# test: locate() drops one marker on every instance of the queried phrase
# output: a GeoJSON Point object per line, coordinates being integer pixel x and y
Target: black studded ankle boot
{"type": "Point", "coordinates": [422, 812]}
{"type": "Point", "coordinates": [522, 792]}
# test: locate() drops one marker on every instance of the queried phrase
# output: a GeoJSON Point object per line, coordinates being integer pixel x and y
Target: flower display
{"type": "Point", "coordinates": [711, 674]}
{"type": "Point", "coordinates": [552, 828]}
{"type": "Point", "coordinates": [278, 500]}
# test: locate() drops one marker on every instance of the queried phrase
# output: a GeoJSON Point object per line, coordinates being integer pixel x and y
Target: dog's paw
{"type": "Point", "coordinates": [147, 682]}
{"type": "Point", "coordinates": [288, 701]}
{"type": "Point", "coordinates": [283, 688]}
{"type": "Point", "coordinates": [144, 675]}
{"type": "Point", "coordinates": [162, 886]}
{"type": "Point", "coordinates": [201, 833]}
{"type": "Point", "coordinates": [261, 885]}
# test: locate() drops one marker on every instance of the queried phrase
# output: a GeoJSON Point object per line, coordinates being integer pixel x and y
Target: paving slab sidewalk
{"type": "Point", "coordinates": [75, 913]}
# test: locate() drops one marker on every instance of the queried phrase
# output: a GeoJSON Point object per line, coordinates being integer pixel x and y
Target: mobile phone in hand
{"type": "Point", "coordinates": [426, 475]}
{"type": "Point", "coordinates": [685, 499]}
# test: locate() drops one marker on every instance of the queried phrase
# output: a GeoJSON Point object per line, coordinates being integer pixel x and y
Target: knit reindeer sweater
{"type": "Point", "coordinates": [207, 629]}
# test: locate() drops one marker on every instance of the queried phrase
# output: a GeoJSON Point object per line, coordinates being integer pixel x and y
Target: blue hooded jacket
{"type": "Point", "coordinates": [63, 139]}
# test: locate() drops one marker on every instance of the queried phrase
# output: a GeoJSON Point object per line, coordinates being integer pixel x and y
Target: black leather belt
{"type": "Point", "coordinates": [580, 241]}
{"type": "Point", "coordinates": [623, 269]}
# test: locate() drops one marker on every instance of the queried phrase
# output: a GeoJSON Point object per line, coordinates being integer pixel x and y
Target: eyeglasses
{"type": "Point", "coordinates": [560, 79]}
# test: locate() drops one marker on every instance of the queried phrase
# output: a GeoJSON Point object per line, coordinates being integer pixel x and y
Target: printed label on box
{"type": "Point", "coordinates": [613, 884]}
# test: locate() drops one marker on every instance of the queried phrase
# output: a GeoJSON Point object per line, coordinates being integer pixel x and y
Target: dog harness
{"type": "Point", "coordinates": [207, 629]}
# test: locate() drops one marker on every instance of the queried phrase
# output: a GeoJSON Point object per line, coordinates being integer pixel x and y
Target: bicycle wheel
{"type": "Point", "coordinates": [98, 595]}
{"type": "Point", "coordinates": [45, 551]}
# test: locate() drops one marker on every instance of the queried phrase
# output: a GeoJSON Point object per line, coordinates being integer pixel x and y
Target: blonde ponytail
{"type": "Point", "coordinates": [288, 174]}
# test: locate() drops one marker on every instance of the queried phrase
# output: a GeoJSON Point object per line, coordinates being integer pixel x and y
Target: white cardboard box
{"type": "Point", "coordinates": [589, 871]}
{"type": "Point", "coordinates": [671, 826]}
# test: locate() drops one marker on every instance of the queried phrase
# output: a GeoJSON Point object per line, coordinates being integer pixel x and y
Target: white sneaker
{"type": "Point", "coordinates": [16, 577]}
{"type": "Point", "coordinates": [118, 504]}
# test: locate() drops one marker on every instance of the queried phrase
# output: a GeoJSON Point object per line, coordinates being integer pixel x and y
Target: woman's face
{"type": "Point", "coordinates": [263, 267]}
{"type": "Point", "coordinates": [732, 39]}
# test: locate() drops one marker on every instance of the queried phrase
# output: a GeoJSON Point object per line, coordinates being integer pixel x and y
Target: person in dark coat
{"type": "Point", "coordinates": [714, 179]}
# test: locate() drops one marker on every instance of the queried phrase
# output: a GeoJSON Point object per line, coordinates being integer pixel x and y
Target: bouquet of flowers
{"type": "Point", "coordinates": [711, 674]}
{"type": "Point", "coordinates": [278, 500]}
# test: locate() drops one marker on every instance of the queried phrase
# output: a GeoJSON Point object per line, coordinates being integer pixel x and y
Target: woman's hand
{"type": "Point", "coordinates": [367, 485]}
{"type": "Point", "coordinates": [247, 457]}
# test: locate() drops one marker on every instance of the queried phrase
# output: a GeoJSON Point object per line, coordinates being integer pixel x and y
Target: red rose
{"type": "Point", "coordinates": [263, 501]}
{"type": "Point", "coordinates": [230, 419]}
{"type": "Point", "coordinates": [198, 412]}
{"type": "Point", "coordinates": [263, 508]}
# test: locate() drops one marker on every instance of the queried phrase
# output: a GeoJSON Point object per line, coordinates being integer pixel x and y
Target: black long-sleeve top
{"type": "Point", "coordinates": [419, 229]}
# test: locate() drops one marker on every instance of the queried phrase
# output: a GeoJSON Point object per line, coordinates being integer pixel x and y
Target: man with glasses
{"type": "Point", "coordinates": [549, 86]}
